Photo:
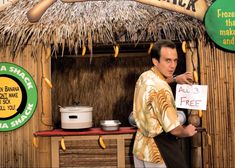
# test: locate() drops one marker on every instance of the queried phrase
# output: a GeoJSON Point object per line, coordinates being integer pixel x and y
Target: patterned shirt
{"type": "Point", "coordinates": [154, 112]}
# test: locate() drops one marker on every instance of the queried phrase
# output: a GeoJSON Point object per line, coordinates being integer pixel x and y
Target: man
{"type": "Point", "coordinates": [155, 114]}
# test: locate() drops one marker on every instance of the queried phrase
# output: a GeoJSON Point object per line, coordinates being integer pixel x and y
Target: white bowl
{"type": "Point", "coordinates": [110, 125]}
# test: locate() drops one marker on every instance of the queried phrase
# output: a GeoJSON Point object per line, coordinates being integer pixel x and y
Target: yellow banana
{"type": "Point", "coordinates": [35, 144]}
{"type": "Point", "coordinates": [101, 142]}
{"type": "Point", "coordinates": [195, 76]}
{"type": "Point", "coordinates": [62, 144]}
{"type": "Point", "coordinates": [48, 82]}
{"type": "Point", "coordinates": [150, 48]}
{"type": "Point", "coordinates": [200, 113]}
{"type": "Point", "coordinates": [83, 50]}
{"type": "Point", "coordinates": [116, 51]}
{"type": "Point", "coordinates": [184, 47]}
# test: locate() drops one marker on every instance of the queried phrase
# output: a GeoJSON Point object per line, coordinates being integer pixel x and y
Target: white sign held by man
{"type": "Point", "coordinates": [191, 96]}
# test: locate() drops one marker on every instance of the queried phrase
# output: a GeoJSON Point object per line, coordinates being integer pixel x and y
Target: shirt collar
{"type": "Point", "coordinates": [158, 73]}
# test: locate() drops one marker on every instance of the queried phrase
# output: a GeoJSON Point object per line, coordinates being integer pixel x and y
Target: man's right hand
{"type": "Point", "coordinates": [190, 130]}
{"type": "Point", "coordinates": [181, 131]}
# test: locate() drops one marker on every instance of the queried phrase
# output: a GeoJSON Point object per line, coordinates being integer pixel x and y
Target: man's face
{"type": "Point", "coordinates": [167, 62]}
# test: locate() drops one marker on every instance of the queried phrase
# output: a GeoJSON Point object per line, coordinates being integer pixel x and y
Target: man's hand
{"type": "Point", "coordinates": [181, 131]}
{"type": "Point", "coordinates": [185, 78]}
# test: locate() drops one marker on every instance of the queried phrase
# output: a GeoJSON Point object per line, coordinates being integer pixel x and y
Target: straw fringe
{"type": "Point", "coordinates": [107, 22]}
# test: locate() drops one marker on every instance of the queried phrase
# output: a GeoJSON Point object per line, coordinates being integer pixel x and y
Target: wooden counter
{"type": "Point", "coordinates": [83, 150]}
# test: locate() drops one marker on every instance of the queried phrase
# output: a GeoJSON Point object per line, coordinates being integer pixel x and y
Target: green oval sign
{"type": "Point", "coordinates": [18, 96]}
{"type": "Point", "coordinates": [220, 23]}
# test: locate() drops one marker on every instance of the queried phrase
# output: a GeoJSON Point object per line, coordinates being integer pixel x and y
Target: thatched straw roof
{"type": "Point", "coordinates": [97, 22]}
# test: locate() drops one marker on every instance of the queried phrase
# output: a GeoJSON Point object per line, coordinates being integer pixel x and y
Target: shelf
{"type": "Point", "coordinates": [89, 131]}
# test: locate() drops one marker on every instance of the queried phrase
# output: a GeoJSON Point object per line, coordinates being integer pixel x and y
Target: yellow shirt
{"type": "Point", "coordinates": [154, 112]}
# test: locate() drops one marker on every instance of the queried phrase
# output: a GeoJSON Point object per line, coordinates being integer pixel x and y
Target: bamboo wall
{"type": "Point", "coordinates": [107, 85]}
{"type": "Point", "coordinates": [217, 70]}
{"type": "Point", "coordinates": [16, 146]}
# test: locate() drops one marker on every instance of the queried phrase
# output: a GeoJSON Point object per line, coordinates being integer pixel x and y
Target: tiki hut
{"type": "Point", "coordinates": [52, 48]}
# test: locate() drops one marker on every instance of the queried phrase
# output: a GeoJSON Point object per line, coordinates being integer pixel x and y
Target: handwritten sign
{"type": "Point", "coordinates": [191, 96]}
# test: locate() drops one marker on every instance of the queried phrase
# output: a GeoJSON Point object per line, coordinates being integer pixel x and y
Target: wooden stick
{"type": "Point", "coordinates": [38, 10]}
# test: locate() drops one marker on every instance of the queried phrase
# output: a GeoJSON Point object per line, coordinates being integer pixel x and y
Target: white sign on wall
{"type": "Point", "coordinates": [191, 96]}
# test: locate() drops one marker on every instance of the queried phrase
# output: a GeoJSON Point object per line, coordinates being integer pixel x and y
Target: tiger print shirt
{"type": "Point", "coordinates": [154, 112]}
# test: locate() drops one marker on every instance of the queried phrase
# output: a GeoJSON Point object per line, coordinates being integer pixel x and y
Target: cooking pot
{"type": "Point", "coordinates": [76, 117]}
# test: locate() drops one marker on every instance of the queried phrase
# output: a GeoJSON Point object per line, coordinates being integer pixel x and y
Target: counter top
{"type": "Point", "coordinates": [89, 131]}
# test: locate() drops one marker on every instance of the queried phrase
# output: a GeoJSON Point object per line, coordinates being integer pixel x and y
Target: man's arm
{"type": "Point", "coordinates": [185, 78]}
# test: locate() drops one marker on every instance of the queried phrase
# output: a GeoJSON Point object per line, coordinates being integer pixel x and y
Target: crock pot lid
{"type": "Point", "coordinates": [75, 108]}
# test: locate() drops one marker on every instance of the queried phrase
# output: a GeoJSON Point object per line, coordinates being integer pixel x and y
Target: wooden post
{"type": "Point", "coordinates": [192, 65]}
{"type": "Point", "coordinates": [121, 152]}
{"type": "Point", "coordinates": [44, 104]}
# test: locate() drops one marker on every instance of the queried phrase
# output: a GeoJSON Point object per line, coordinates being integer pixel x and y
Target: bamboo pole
{"type": "Point", "coordinates": [232, 105]}
{"type": "Point", "coordinates": [191, 65]}
{"type": "Point", "coordinates": [45, 114]}
{"type": "Point", "coordinates": [202, 55]}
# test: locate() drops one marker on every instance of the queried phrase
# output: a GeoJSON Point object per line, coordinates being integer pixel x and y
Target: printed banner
{"type": "Point", "coordinates": [196, 9]}
{"type": "Point", "coordinates": [18, 96]}
{"type": "Point", "coordinates": [220, 23]}
{"type": "Point", "coordinates": [191, 96]}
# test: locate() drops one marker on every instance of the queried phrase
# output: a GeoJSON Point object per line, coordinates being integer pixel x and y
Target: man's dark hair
{"type": "Point", "coordinates": [155, 52]}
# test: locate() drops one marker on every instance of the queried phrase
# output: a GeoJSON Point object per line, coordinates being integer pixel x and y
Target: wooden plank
{"type": "Point", "coordinates": [44, 105]}
{"type": "Point", "coordinates": [91, 154]}
{"type": "Point", "coordinates": [80, 153]}
{"type": "Point", "coordinates": [55, 151]}
{"type": "Point", "coordinates": [90, 137]}
{"type": "Point", "coordinates": [192, 65]}
{"type": "Point", "coordinates": [121, 152]}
